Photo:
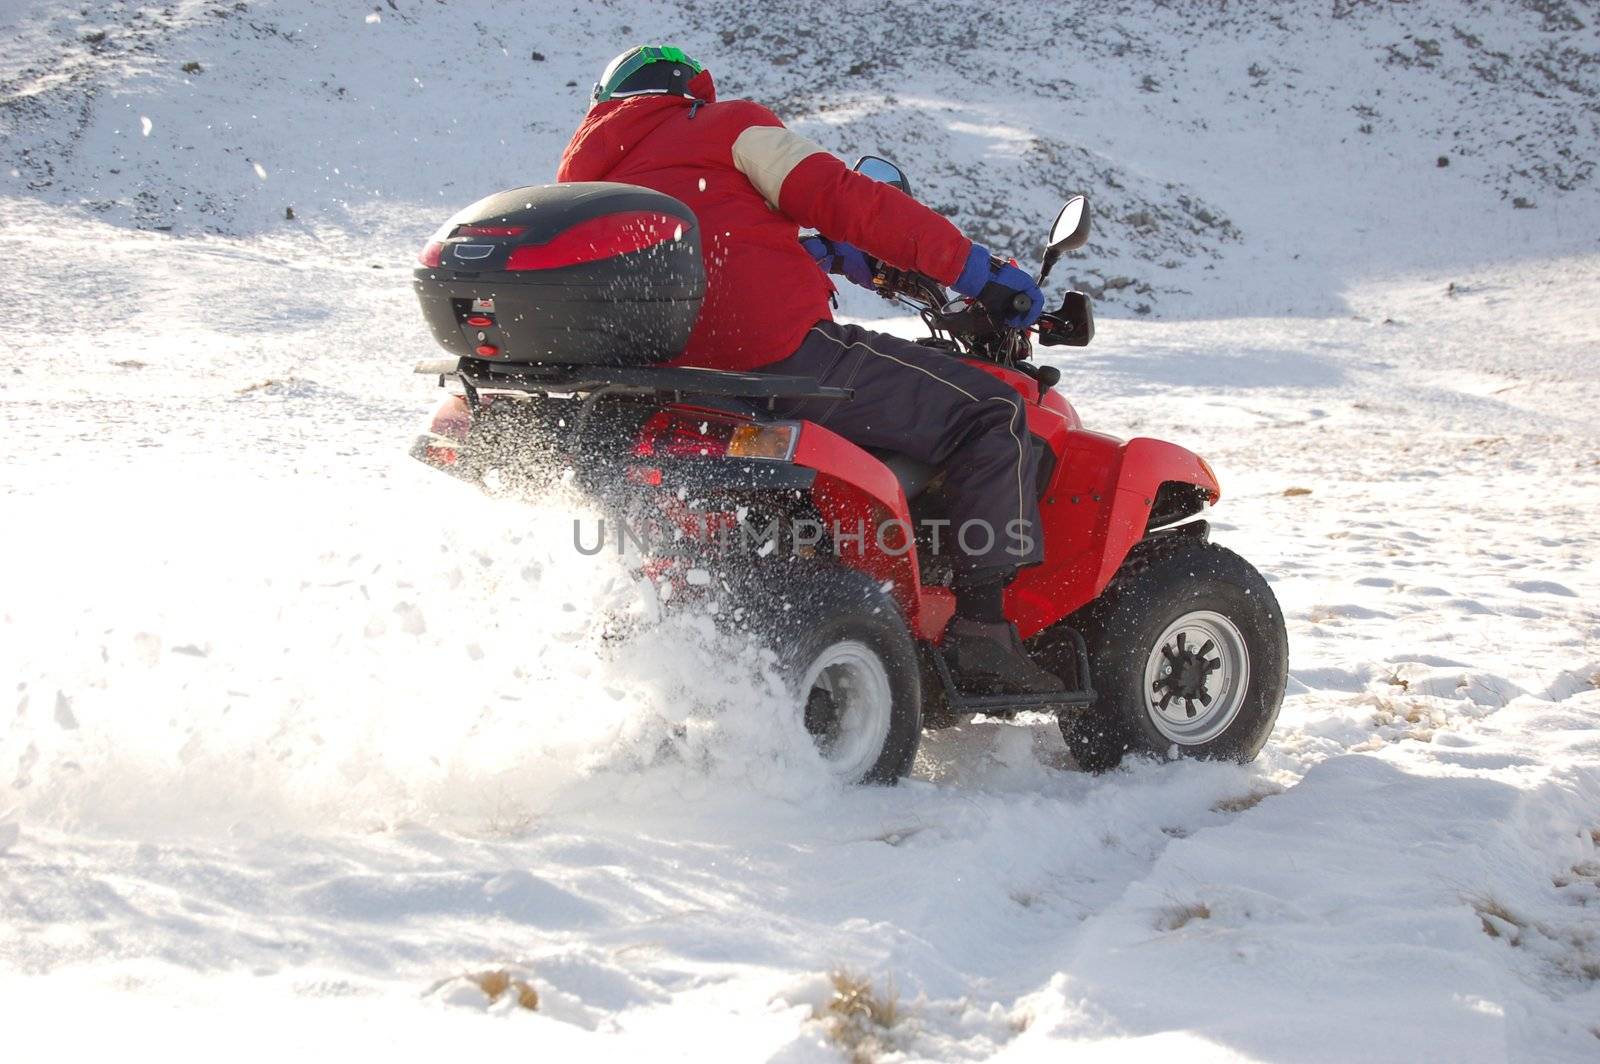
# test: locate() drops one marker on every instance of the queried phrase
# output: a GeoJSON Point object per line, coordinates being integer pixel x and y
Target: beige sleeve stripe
{"type": "Point", "coordinates": [766, 155]}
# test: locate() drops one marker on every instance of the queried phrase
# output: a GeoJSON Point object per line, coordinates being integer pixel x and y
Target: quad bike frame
{"type": "Point", "coordinates": [1099, 496]}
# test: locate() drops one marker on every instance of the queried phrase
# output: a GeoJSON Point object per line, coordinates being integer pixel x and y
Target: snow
{"type": "Point", "coordinates": [303, 735]}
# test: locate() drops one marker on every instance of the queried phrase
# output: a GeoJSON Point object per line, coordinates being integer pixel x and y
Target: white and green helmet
{"type": "Point", "coordinates": [647, 70]}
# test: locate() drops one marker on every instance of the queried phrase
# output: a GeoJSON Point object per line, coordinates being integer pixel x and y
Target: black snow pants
{"type": "Point", "coordinates": [937, 409]}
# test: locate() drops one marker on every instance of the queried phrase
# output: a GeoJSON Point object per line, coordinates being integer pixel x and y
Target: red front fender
{"type": "Point", "coordinates": [1146, 465]}
{"type": "Point", "coordinates": [1096, 510]}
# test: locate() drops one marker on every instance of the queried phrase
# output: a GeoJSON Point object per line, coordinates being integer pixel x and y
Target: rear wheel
{"type": "Point", "coordinates": [1188, 657]}
{"type": "Point", "coordinates": [850, 667]}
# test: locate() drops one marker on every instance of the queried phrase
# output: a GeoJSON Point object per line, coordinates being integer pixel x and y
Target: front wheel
{"type": "Point", "coordinates": [849, 665]}
{"type": "Point", "coordinates": [1188, 656]}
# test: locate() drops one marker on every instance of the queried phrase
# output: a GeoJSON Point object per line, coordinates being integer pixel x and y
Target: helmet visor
{"type": "Point", "coordinates": [648, 70]}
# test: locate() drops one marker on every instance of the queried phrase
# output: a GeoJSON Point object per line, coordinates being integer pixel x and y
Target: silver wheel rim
{"type": "Point", "coordinates": [1196, 677]}
{"type": "Point", "coordinates": [848, 705]}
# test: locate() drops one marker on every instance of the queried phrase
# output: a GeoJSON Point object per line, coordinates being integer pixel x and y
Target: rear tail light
{"type": "Point", "coordinates": [434, 248]}
{"type": "Point", "coordinates": [436, 454]}
{"type": "Point", "coordinates": [599, 238]}
{"type": "Point", "coordinates": [669, 434]}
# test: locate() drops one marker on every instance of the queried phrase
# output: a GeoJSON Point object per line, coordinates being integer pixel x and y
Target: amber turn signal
{"type": "Point", "coordinates": [773, 441]}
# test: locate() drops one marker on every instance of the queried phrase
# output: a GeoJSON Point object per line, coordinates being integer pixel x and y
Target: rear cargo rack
{"type": "Point", "coordinates": [535, 379]}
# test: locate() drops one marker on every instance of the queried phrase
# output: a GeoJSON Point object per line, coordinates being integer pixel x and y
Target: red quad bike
{"type": "Point", "coordinates": [559, 305]}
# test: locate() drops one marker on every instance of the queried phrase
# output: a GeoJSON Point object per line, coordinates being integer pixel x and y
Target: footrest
{"type": "Point", "coordinates": [1004, 705]}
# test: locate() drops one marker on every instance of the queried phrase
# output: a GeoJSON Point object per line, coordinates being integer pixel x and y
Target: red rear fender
{"type": "Point", "coordinates": [865, 513]}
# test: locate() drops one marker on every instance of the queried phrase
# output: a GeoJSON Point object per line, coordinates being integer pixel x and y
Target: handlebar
{"type": "Point", "coordinates": [980, 325]}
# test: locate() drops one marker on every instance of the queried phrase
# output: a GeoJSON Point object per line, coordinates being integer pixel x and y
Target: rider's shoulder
{"type": "Point", "coordinates": [740, 114]}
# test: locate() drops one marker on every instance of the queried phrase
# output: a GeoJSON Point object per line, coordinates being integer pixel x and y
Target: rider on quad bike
{"type": "Point", "coordinates": [753, 184]}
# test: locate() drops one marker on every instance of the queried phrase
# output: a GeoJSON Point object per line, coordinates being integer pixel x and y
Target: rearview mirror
{"type": "Point", "coordinates": [1069, 233]}
{"type": "Point", "coordinates": [1071, 230]}
{"type": "Point", "coordinates": [883, 170]}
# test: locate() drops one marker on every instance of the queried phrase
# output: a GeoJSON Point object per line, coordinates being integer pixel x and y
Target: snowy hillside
{"type": "Point", "coordinates": [220, 117]}
{"type": "Point", "coordinates": [303, 736]}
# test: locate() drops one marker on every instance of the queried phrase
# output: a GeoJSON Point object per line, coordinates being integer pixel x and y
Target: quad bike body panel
{"type": "Point", "coordinates": [1096, 507]}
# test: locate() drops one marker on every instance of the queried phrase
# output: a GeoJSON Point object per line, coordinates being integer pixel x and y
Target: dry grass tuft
{"type": "Point", "coordinates": [1568, 953]}
{"type": "Point", "coordinates": [1244, 801]}
{"type": "Point", "coordinates": [1292, 493]}
{"type": "Point", "coordinates": [1423, 713]}
{"type": "Point", "coordinates": [497, 984]}
{"type": "Point", "coordinates": [1181, 915]}
{"type": "Point", "coordinates": [1498, 921]}
{"type": "Point", "coordinates": [1580, 873]}
{"type": "Point", "coordinates": [1393, 710]}
{"type": "Point", "coordinates": [858, 1018]}
{"type": "Point", "coordinates": [896, 836]}
{"type": "Point", "coordinates": [509, 821]}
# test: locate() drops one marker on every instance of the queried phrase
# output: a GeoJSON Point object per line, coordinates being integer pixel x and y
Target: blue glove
{"type": "Point", "coordinates": [835, 256]}
{"type": "Point", "coordinates": [997, 285]}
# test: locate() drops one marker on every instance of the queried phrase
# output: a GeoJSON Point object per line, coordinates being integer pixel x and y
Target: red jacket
{"type": "Point", "coordinates": [753, 184]}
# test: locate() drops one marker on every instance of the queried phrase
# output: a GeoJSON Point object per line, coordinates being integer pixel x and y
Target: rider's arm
{"type": "Point", "coordinates": [805, 182]}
